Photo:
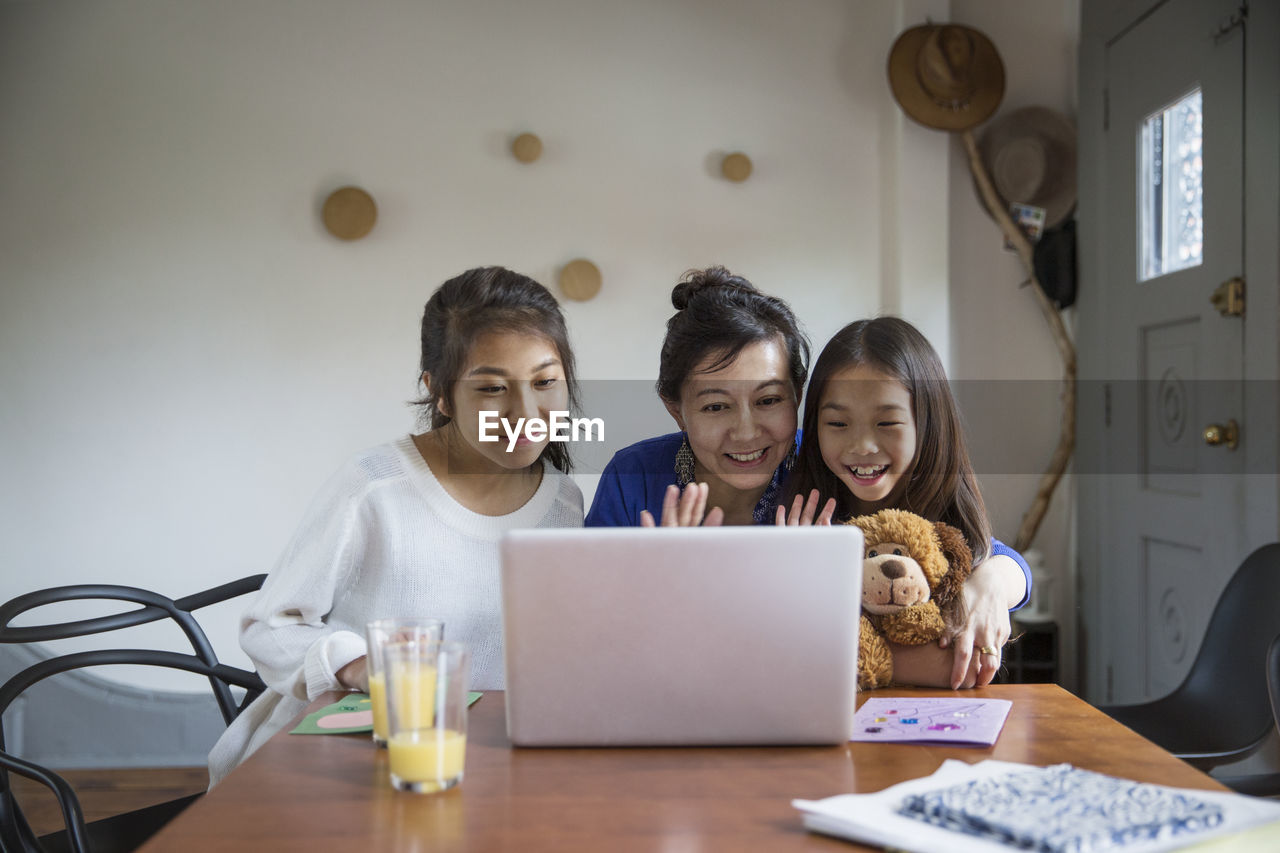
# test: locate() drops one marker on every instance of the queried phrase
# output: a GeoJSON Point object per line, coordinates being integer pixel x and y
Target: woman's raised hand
{"type": "Point", "coordinates": [802, 512]}
{"type": "Point", "coordinates": [685, 509]}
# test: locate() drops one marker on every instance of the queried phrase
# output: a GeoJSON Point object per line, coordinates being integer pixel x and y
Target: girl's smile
{"type": "Point", "coordinates": [868, 475]}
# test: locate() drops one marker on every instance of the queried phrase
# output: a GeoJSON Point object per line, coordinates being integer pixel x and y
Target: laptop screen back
{"type": "Point", "coordinates": [632, 636]}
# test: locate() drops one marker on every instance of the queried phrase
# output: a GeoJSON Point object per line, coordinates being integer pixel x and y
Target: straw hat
{"type": "Point", "coordinates": [1030, 154]}
{"type": "Point", "coordinates": [946, 76]}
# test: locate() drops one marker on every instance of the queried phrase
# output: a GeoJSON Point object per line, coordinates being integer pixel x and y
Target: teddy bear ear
{"type": "Point", "coordinates": [959, 558]}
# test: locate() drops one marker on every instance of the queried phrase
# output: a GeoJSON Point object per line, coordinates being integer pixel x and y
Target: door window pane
{"type": "Point", "coordinates": [1171, 189]}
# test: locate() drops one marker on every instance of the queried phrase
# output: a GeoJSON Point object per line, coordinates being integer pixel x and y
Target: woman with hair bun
{"type": "Point", "coordinates": [732, 371]}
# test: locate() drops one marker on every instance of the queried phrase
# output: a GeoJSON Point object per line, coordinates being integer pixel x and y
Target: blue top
{"type": "Point", "coordinates": [637, 478]}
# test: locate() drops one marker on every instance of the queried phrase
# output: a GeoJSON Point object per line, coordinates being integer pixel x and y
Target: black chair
{"type": "Point", "coordinates": [1221, 712]}
{"type": "Point", "coordinates": [1273, 678]}
{"type": "Point", "coordinates": [130, 830]}
{"type": "Point", "coordinates": [1264, 784]}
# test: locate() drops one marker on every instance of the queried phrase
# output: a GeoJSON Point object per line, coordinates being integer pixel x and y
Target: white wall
{"type": "Point", "coordinates": [185, 353]}
{"type": "Point", "coordinates": [1002, 349]}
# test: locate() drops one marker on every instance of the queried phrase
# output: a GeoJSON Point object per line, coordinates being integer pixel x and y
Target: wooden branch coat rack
{"type": "Point", "coordinates": [1066, 348]}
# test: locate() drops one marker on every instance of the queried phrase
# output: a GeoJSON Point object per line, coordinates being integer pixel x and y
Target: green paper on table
{"type": "Point", "coordinates": [351, 714]}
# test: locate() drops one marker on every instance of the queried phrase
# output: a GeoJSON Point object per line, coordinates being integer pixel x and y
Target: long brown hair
{"type": "Point", "coordinates": [940, 485]}
{"type": "Point", "coordinates": [481, 300]}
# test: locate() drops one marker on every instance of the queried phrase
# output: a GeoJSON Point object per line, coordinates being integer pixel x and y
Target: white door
{"type": "Point", "coordinates": [1172, 507]}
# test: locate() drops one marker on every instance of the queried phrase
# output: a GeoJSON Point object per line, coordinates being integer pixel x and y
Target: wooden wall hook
{"type": "Point", "coordinates": [349, 213]}
{"type": "Point", "coordinates": [580, 279]}
{"type": "Point", "coordinates": [526, 147]}
{"type": "Point", "coordinates": [736, 167]}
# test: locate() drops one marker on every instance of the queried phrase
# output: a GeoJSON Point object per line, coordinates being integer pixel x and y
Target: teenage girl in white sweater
{"type": "Point", "coordinates": [412, 527]}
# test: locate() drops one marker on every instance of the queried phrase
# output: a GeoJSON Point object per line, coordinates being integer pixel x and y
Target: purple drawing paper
{"type": "Point", "coordinates": [962, 722]}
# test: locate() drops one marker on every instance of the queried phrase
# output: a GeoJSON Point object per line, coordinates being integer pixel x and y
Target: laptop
{"type": "Point", "coordinates": [681, 636]}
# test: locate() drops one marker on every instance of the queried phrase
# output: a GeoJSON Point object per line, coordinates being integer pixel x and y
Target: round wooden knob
{"type": "Point", "coordinates": [526, 147]}
{"type": "Point", "coordinates": [349, 213]}
{"type": "Point", "coordinates": [580, 279]}
{"type": "Point", "coordinates": [736, 167]}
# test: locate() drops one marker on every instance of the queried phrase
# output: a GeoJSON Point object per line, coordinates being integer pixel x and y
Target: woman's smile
{"type": "Point", "coordinates": [749, 459]}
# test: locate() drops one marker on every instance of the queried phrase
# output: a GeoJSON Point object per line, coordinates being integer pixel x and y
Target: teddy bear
{"type": "Point", "coordinates": [911, 576]}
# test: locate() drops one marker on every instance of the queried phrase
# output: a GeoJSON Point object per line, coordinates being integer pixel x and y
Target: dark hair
{"type": "Point", "coordinates": [941, 484]}
{"type": "Point", "coordinates": [719, 314]}
{"type": "Point", "coordinates": [481, 300]}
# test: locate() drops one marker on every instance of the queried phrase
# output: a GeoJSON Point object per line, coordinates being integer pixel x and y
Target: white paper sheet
{"type": "Point", "coordinates": [873, 818]}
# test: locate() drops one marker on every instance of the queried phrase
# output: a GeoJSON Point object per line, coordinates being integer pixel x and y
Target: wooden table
{"type": "Point", "coordinates": [311, 793]}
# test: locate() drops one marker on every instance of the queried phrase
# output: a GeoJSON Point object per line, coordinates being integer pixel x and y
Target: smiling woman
{"type": "Point", "coordinates": [732, 370]}
{"type": "Point", "coordinates": [411, 527]}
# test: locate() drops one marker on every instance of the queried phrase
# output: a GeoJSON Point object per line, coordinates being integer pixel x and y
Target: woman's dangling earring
{"type": "Point", "coordinates": [789, 462]}
{"type": "Point", "coordinates": [684, 463]}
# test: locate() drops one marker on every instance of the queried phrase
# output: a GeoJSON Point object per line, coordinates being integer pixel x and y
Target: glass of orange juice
{"type": "Point", "coordinates": [427, 686]}
{"type": "Point", "coordinates": [379, 633]}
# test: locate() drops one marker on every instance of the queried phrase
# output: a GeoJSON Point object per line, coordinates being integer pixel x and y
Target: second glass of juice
{"type": "Point", "coordinates": [427, 688]}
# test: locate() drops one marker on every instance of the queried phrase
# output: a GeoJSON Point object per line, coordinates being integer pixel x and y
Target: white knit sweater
{"type": "Point", "coordinates": [382, 538]}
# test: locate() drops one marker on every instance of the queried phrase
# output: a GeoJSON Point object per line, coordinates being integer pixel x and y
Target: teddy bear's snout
{"type": "Point", "coordinates": [893, 569]}
{"type": "Point", "coordinates": [891, 582]}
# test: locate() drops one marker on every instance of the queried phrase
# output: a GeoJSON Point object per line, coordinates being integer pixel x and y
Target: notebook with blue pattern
{"type": "Point", "coordinates": [1063, 809]}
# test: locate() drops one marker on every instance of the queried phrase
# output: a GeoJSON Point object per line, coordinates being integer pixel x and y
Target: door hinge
{"type": "Point", "coordinates": [1106, 109]}
{"type": "Point", "coordinates": [1231, 22]}
{"type": "Point", "coordinates": [1228, 297]}
{"type": "Point", "coordinates": [1106, 404]}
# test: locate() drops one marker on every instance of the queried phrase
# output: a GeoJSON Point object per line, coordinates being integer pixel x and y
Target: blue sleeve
{"type": "Point", "coordinates": [999, 548]}
{"type": "Point", "coordinates": [609, 506]}
{"type": "Point", "coordinates": [636, 479]}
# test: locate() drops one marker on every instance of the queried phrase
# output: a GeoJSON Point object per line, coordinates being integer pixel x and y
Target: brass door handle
{"type": "Point", "coordinates": [1228, 434]}
{"type": "Point", "coordinates": [1228, 297]}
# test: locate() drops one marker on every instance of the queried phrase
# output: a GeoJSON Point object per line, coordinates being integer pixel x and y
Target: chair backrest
{"type": "Point", "coordinates": [15, 833]}
{"type": "Point", "coordinates": [1227, 684]}
{"type": "Point", "coordinates": [1273, 678]}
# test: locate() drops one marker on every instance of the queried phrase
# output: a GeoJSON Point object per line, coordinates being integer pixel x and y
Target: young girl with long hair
{"type": "Point", "coordinates": [882, 430]}
{"type": "Point", "coordinates": [411, 527]}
